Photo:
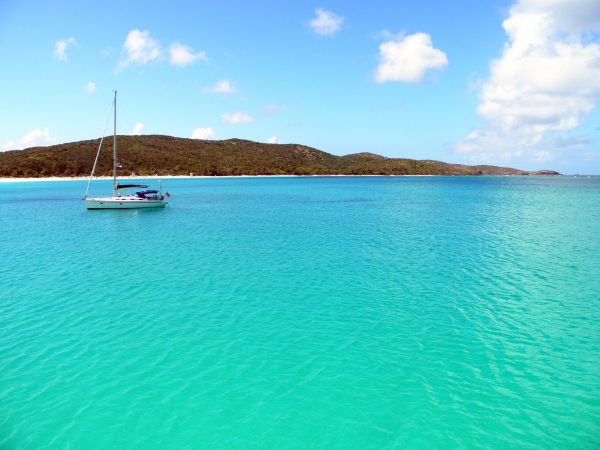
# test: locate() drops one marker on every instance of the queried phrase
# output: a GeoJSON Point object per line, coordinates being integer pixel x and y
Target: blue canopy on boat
{"type": "Point", "coordinates": [142, 194]}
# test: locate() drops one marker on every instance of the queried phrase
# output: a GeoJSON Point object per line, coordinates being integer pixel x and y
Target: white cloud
{"type": "Point", "coordinates": [272, 109]}
{"type": "Point", "coordinates": [273, 140]}
{"type": "Point", "coordinates": [546, 82]}
{"type": "Point", "coordinates": [107, 52]}
{"type": "Point", "coordinates": [140, 48]}
{"type": "Point", "coordinates": [221, 87]}
{"type": "Point", "coordinates": [407, 58]}
{"type": "Point", "coordinates": [60, 48]}
{"type": "Point", "coordinates": [138, 129]}
{"type": "Point", "coordinates": [90, 88]}
{"type": "Point", "coordinates": [570, 142]}
{"type": "Point", "coordinates": [577, 16]}
{"type": "Point", "coordinates": [35, 138]}
{"type": "Point", "coordinates": [238, 117]}
{"type": "Point", "coordinates": [542, 155]}
{"type": "Point", "coordinates": [203, 133]}
{"type": "Point", "coordinates": [182, 55]}
{"type": "Point", "coordinates": [326, 23]}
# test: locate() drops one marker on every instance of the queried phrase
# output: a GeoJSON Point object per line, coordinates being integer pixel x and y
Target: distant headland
{"type": "Point", "coordinates": [166, 155]}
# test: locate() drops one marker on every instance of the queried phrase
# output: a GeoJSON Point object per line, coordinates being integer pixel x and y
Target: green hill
{"type": "Point", "coordinates": [165, 155]}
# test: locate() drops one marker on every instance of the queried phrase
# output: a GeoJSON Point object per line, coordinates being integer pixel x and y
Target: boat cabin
{"type": "Point", "coordinates": [150, 194]}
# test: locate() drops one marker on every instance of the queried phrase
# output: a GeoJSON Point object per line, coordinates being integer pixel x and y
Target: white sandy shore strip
{"type": "Point", "coordinates": [19, 180]}
{"type": "Point", "coordinates": [166, 177]}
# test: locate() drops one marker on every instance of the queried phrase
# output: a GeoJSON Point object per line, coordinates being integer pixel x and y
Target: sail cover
{"type": "Point", "coordinates": [132, 186]}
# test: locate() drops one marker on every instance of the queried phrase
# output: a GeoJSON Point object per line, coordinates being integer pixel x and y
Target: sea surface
{"type": "Point", "coordinates": [303, 313]}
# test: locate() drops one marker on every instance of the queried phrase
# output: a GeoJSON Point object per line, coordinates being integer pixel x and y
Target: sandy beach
{"type": "Point", "coordinates": [19, 180]}
{"type": "Point", "coordinates": [167, 177]}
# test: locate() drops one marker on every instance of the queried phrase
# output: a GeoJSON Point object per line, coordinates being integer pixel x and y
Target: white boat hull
{"type": "Point", "coordinates": [123, 203]}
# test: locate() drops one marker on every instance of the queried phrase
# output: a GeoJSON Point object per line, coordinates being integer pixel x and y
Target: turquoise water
{"type": "Point", "coordinates": [303, 313]}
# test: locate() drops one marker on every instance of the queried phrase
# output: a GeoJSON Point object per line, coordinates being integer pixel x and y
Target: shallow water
{"type": "Point", "coordinates": [417, 312]}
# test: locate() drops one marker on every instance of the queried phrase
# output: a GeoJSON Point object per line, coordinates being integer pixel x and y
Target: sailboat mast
{"type": "Point", "coordinates": [115, 151]}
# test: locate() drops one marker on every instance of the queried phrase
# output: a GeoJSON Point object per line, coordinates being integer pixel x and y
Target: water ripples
{"type": "Point", "coordinates": [304, 312]}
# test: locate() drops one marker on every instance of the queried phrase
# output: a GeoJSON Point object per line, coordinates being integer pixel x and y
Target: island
{"type": "Point", "coordinates": [165, 155]}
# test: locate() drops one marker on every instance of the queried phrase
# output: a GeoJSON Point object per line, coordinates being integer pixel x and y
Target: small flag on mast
{"type": "Point", "coordinates": [119, 166]}
{"type": "Point", "coordinates": [167, 194]}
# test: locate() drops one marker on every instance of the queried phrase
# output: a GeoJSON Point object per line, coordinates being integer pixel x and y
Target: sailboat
{"type": "Point", "coordinates": [144, 198]}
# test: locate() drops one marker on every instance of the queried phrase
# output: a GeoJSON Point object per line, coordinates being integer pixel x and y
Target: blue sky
{"type": "Point", "coordinates": [488, 82]}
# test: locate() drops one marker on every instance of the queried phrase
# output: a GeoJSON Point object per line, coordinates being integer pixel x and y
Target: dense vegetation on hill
{"type": "Point", "coordinates": [165, 155]}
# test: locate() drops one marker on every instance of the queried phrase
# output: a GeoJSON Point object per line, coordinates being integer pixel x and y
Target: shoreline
{"type": "Point", "coordinates": [166, 177]}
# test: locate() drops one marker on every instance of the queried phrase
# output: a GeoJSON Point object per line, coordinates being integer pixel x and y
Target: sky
{"type": "Point", "coordinates": [506, 83]}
